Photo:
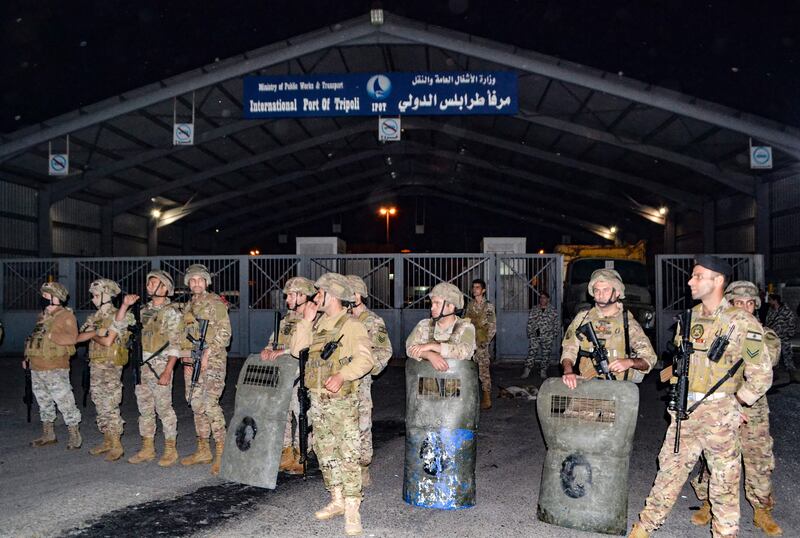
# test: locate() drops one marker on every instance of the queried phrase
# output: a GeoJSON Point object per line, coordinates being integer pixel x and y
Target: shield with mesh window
{"type": "Point", "coordinates": [441, 430]}
{"type": "Point", "coordinates": [255, 434]}
{"type": "Point", "coordinates": [589, 433]}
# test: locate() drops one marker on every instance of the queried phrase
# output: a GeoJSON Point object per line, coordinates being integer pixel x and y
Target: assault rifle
{"type": "Point", "coordinates": [302, 417]}
{"type": "Point", "coordinates": [27, 399]}
{"type": "Point", "coordinates": [599, 353]}
{"type": "Point", "coordinates": [135, 343]}
{"type": "Point", "coordinates": [679, 391]}
{"type": "Point", "coordinates": [198, 347]}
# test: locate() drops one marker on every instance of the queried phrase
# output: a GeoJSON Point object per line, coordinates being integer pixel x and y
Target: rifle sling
{"type": "Point", "coordinates": [731, 371]}
{"type": "Point", "coordinates": [153, 356]}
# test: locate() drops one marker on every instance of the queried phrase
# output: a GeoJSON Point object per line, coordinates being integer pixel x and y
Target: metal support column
{"type": "Point", "coordinates": [763, 234]}
{"type": "Point", "coordinates": [44, 225]}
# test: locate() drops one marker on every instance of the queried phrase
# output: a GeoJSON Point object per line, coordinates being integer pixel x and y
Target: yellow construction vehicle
{"type": "Point", "coordinates": [580, 261]}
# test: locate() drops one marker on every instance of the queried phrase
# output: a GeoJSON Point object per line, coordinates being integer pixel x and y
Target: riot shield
{"type": "Point", "coordinates": [441, 427]}
{"type": "Point", "coordinates": [589, 433]}
{"type": "Point", "coordinates": [255, 436]}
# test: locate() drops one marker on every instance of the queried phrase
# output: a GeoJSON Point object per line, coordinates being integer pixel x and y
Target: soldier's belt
{"type": "Point", "coordinates": [695, 396]}
{"type": "Point", "coordinates": [326, 395]}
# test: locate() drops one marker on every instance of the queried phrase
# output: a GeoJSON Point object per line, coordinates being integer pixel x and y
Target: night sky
{"type": "Point", "coordinates": [57, 56]}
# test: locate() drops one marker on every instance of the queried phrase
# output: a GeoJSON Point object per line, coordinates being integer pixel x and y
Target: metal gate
{"type": "Point", "coordinates": [398, 283]}
{"type": "Point", "coordinates": [672, 286]}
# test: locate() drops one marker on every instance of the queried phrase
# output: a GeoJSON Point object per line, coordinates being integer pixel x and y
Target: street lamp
{"type": "Point", "coordinates": [388, 212]}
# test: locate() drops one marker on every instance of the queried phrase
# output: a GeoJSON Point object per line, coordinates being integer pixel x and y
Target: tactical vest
{"type": "Point", "coordinates": [611, 335]}
{"type": "Point", "coordinates": [39, 348]}
{"type": "Point", "coordinates": [703, 373]}
{"type": "Point", "coordinates": [116, 353]}
{"type": "Point", "coordinates": [152, 335]}
{"type": "Point", "coordinates": [287, 328]}
{"type": "Point", "coordinates": [456, 326]}
{"type": "Point", "coordinates": [319, 370]}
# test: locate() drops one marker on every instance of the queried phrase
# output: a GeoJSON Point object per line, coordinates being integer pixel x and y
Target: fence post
{"type": "Point", "coordinates": [244, 305]}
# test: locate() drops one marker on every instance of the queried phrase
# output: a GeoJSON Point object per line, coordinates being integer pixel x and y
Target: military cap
{"type": "Point", "coordinates": [165, 278]}
{"type": "Point", "coordinates": [714, 263]}
{"type": "Point", "coordinates": [299, 284]}
{"type": "Point", "coordinates": [197, 269]}
{"type": "Point", "coordinates": [449, 293]}
{"type": "Point", "coordinates": [104, 285]}
{"type": "Point", "coordinates": [358, 285]}
{"type": "Point", "coordinates": [337, 285]}
{"type": "Point", "coordinates": [56, 289]}
{"type": "Point", "coordinates": [607, 275]}
{"type": "Point", "coordinates": [743, 289]}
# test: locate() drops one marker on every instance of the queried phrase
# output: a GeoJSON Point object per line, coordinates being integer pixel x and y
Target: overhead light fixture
{"type": "Point", "coordinates": [662, 210]}
{"type": "Point", "coordinates": [376, 16]}
{"type": "Point", "coordinates": [613, 229]}
{"type": "Point", "coordinates": [155, 213]}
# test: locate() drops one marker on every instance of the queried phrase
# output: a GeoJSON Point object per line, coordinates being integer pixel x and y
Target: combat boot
{"type": "Point", "coordinates": [763, 520]}
{"type": "Point", "coordinates": [116, 451]}
{"type": "Point", "coordinates": [352, 519]}
{"type": "Point", "coordinates": [75, 440]}
{"type": "Point", "coordinates": [219, 447]}
{"type": "Point", "coordinates": [170, 454]}
{"type": "Point", "coordinates": [366, 479]}
{"type": "Point", "coordinates": [293, 465]}
{"type": "Point", "coordinates": [147, 453]}
{"type": "Point", "coordinates": [702, 517]}
{"type": "Point", "coordinates": [486, 400]}
{"type": "Point", "coordinates": [637, 531]}
{"type": "Point", "coordinates": [526, 372]}
{"type": "Point", "coordinates": [201, 455]}
{"type": "Point", "coordinates": [103, 447]}
{"type": "Point", "coordinates": [48, 436]}
{"type": "Point", "coordinates": [333, 508]}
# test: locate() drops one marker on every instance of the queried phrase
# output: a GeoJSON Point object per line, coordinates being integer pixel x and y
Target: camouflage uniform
{"type": "Point", "coordinates": [784, 322]}
{"type": "Point", "coordinates": [757, 455]}
{"type": "Point", "coordinates": [713, 428]}
{"type": "Point", "coordinates": [160, 325]}
{"type": "Point", "coordinates": [543, 327]}
{"type": "Point", "coordinates": [381, 353]}
{"type": "Point", "coordinates": [484, 320]}
{"type": "Point", "coordinates": [106, 364]}
{"type": "Point", "coordinates": [334, 416]}
{"type": "Point", "coordinates": [457, 341]}
{"type": "Point", "coordinates": [611, 333]}
{"type": "Point", "coordinates": [285, 331]}
{"type": "Point", "coordinates": [48, 349]}
{"type": "Point", "coordinates": [208, 415]}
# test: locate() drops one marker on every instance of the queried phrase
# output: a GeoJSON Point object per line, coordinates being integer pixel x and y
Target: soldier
{"type": "Point", "coordinates": [162, 333]}
{"type": "Point", "coordinates": [543, 326]}
{"type": "Point", "coordinates": [381, 353]}
{"type": "Point", "coordinates": [630, 353]}
{"type": "Point", "coordinates": [332, 381]}
{"type": "Point", "coordinates": [757, 456]}
{"type": "Point", "coordinates": [783, 321]}
{"type": "Point", "coordinates": [299, 292]}
{"type": "Point", "coordinates": [713, 428]}
{"type": "Point", "coordinates": [482, 315]}
{"type": "Point", "coordinates": [444, 335]}
{"type": "Point", "coordinates": [47, 352]}
{"type": "Point", "coordinates": [204, 398]}
{"type": "Point", "coordinates": [107, 355]}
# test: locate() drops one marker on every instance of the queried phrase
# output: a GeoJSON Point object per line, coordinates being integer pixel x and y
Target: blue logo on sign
{"type": "Point", "coordinates": [379, 87]}
{"type": "Point", "coordinates": [761, 155]}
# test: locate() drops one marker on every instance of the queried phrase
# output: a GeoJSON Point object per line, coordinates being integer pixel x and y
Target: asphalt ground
{"type": "Point", "coordinates": [54, 492]}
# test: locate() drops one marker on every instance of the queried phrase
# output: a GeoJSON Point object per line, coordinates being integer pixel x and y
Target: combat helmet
{"type": "Point", "coordinates": [104, 285]}
{"type": "Point", "coordinates": [299, 284]}
{"type": "Point", "coordinates": [607, 275]}
{"type": "Point", "coordinates": [55, 289]}
{"type": "Point", "coordinates": [743, 289]}
{"type": "Point", "coordinates": [358, 285]}
{"type": "Point", "coordinates": [165, 279]}
{"type": "Point", "coordinates": [197, 269]}
{"type": "Point", "coordinates": [449, 293]}
{"type": "Point", "coordinates": [336, 285]}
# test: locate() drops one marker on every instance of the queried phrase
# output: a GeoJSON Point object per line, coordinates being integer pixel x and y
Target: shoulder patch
{"type": "Point", "coordinates": [753, 335]}
{"type": "Point", "coordinates": [697, 331]}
